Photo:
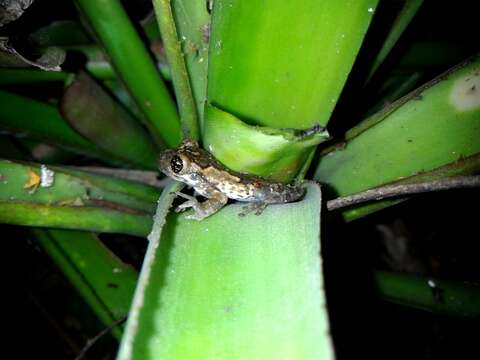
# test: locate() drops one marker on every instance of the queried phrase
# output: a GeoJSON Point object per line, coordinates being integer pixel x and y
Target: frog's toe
{"type": "Point", "coordinates": [187, 204]}
{"type": "Point", "coordinates": [260, 208]}
{"type": "Point", "coordinates": [196, 216]}
{"type": "Point", "coordinates": [255, 207]}
{"type": "Point", "coordinates": [185, 196]}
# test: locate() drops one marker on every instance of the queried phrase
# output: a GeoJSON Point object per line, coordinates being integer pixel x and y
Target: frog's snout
{"type": "Point", "coordinates": [164, 159]}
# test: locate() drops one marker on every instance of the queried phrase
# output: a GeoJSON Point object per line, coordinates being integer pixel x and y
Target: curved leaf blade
{"type": "Point", "coordinates": [234, 287]}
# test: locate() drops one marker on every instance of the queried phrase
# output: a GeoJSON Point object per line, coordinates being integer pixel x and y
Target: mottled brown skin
{"type": "Point", "coordinates": [199, 169]}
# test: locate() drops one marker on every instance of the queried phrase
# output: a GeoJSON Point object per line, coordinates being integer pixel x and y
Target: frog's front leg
{"type": "Point", "coordinates": [203, 209]}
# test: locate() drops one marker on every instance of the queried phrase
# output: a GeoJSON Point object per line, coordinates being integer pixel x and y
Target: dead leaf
{"type": "Point", "coordinates": [12, 9]}
{"type": "Point", "coordinates": [33, 181]}
{"type": "Point", "coordinates": [50, 60]}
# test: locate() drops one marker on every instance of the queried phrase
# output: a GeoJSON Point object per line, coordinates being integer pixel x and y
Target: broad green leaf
{"type": "Point", "coordinates": [283, 64]}
{"type": "Point", "coordinates": [436, 125]}
{"type": "Point", "coordinates": [280, 65]}
{"type": "Point", "coordinates": [231, 287]}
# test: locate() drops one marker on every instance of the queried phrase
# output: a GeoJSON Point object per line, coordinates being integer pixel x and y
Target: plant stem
{"type": "Point", "coordinates": [440, 296]}
{"type": "Point", "coordinates": [181, 82]}
{"type": "Point", "coordinates": [388, 191]}
{"type": "Point", "coordinates": [134, 65]}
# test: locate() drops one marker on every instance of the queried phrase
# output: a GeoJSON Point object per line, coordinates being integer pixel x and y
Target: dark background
{"type": "Point", "coordinates": [45, 318]}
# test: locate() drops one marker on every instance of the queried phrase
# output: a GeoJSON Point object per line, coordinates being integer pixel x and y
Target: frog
{"type": "Point", "coordinates": [209, 178]}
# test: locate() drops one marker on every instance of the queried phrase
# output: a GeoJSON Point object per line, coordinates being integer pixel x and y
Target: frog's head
{"type": "Point", "coordinates": [180, 164]}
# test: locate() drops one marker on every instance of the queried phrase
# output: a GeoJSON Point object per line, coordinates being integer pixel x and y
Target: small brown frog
{"type": "Point", "coordinates": [200, 170]}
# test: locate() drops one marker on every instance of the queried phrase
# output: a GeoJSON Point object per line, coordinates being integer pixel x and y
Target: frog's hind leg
{"type": "Point", "coordinates": [255, 207]}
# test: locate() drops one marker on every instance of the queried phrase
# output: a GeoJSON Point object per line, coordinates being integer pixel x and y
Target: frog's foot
{"type": "Point", "coordinates": [191, 202]}
{"type": "Point", "coordinates": [202, 209]}
{"type": "Point", "coordinates": [255, 207]}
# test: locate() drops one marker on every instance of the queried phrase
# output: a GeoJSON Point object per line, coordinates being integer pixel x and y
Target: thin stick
{"type": "Point", "coordinates": [388, 191]}
{"type": "Point", "coordinates": [141, 176]}
{"type": "Point", "coordinates": [97, 337]}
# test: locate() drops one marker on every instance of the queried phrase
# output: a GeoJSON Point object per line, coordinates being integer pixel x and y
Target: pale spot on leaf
{"type": "Point", "coordinates": [465, 94]}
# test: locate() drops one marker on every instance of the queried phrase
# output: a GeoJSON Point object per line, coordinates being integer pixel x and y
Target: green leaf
{"type": "Point", "coordinates": [59, 197]}
{"type": "Point", "coordinates": [280, 65]}
{"type": "Point", "coordinates": [180, 78]}
{"type": "Point", "coordinates": [436, 125]}
{"type": "Point", "coordinates": [40, 121]}
{"type": "Point", "coordinates": [21, 76]}
{"type": "Point", "coordinates": [193, 26]}
{"type": "Point", "coordinates": [233, 287]}
{"type": "Point", "coordinates": [435, 295]}
{"type": "Point", "coordinates": [135, 67]}
{"type": "Point", "coordinates": [283, 64]}
{"type": "Point", "coordinates": [277, 154]}
{"type": "Point", "coordinates": [401, 22]}
{"type": "Point", "coordinates": [94, 114]}
{"type": "Point", "coordinates": [102, 279]}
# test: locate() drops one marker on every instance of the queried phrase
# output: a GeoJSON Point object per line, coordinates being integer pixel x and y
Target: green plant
{"type": "Point", "coordinates": [246, 76]}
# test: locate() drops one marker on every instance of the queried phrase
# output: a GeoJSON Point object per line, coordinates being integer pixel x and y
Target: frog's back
{"type": "Point", "coordinates": [245, 187]}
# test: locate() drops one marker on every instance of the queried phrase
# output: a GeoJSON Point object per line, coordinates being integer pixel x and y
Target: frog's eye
{"type": "Point", "coordinates": [176, 164]}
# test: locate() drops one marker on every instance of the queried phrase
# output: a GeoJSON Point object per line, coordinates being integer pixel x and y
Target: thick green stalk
{"type": "Point", "coordinates": [175, 57]}
{"type": "Point", "coordinates": [277, 65]}
{"type": "Point", "coordinates": [103, 280]}
{"type": "Point", "coordinates": [430, 294]}
{"type": "Point", "coordinates": [135, 67]}
{"type": "Point", "coordinates": [284, 64]}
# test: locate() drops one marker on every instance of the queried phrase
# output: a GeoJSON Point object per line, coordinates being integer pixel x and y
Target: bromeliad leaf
{"type": "Point", "coordinates": [49, 60]}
